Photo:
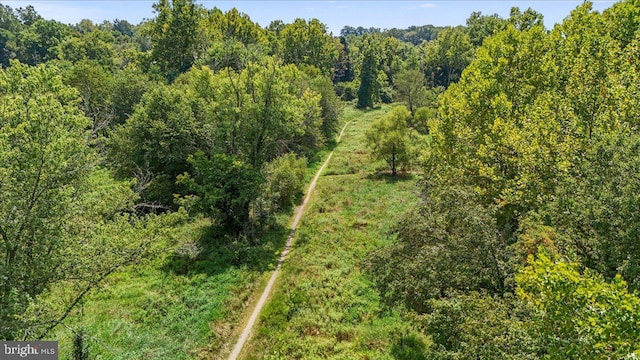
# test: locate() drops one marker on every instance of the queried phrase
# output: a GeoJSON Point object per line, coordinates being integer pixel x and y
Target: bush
{"type": "Point", "coordinates": [285, 181]}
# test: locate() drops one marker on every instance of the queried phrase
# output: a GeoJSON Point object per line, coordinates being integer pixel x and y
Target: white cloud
{"type": "Point", "coordinates": [427, 5]}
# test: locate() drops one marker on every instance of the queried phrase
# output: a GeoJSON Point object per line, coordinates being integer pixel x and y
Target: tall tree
{"type": "Point", "coordinates": [39, 42]}
{"type": "Point", "coordinates": [389, 139]}
{"type": "Point", "coordinates": [308, 43]}
{"type": "Point", "coordinates": [175, 35]}
{"type": "Point", "coordinates": [481, 26]}
{"type": "Point", "coordinates": [448, 56]}
{"type": "Point", "coordinates": [578, 315]}
{"type": "Point", "coordinates": [154, 143]}
{"type": "Point", "coordinates": [411, 89]}
{"type": "Point", "coordinates": [9, 28]}
{"type": "Point", "coordinates": [369, 89]}
{"type": "Point", "coordinates": [45, 158]}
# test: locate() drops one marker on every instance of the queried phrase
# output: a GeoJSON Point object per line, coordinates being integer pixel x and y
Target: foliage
{"type": "Point", "coordinates": [96, 45]}
{"type": "Point", "coordinates": [369, 90]}
{"type": "Point", "coordinates": [447, 56]}
{"type": "Point", "coordinates": [388, 139]}
{"type": "Point", "coordinates": [308, 43]}
{"type": "Point", "coordinates": [39, 42]}
{"type": "Point", "coordinates": [451, 243]}
{"type": "Point", "coordinates": [45, 158]}
{"type": "Point", "coordinates": [155, 142]}
{"type": "Point", "coordinates": [285, 180]}
{"type": "Point", "coordinates": [175, 37]}
{"type": "Point", "coordinates": [525, 20]}
{"type": "Point", "coordinates": [577, 315]}
{"type": "Point", "coordinates": [596, 206]}
{"type": "Point", "coordinates": [226, 188]}
{"type": "Point", "coordinates": [477, 326]}
{"type": "Point", "coordinates": [234, 39]}
{"type": "Point", "coordinates": [80, 347]}
{"type": "Point", "coordinates": [410, 89]}
{"type": "Point", "coordinates": [538, 134]}
{"type": "Point", "coordinates": [481, 26]}
{"type": "Point", "coordinates": [95, 85]}
{"type": "Point", "coordinates": [66, 224]}
{"type": "Point", "coordinates": [330, 107]}
{"type": "Point", "coordinates": [343, 69]}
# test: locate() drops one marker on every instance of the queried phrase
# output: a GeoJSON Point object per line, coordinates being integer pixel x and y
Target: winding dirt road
{"type": "Point", "coordinates": [246, 332]}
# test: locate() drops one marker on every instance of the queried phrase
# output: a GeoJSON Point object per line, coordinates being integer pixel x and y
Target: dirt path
{"type": "Point", "coordinates": [267, 290]}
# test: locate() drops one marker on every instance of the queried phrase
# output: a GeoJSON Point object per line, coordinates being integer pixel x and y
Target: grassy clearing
{"type": "Point", "coordinates": [324, 305]}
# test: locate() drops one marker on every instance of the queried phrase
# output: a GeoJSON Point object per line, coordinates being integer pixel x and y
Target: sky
{"type": "Point", "coordinates": [384, 14]}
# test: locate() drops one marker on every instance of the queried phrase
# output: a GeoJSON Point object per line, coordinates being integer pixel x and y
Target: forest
{"type": "Point", "coordinates": [484, 202]}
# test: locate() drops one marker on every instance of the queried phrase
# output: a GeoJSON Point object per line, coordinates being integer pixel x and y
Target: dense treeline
{"type": "Point", "coordinates": [526, 244]}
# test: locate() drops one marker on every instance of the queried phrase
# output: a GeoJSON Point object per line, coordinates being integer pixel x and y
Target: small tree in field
{"type": "Point", "coordinates": [388, 138]}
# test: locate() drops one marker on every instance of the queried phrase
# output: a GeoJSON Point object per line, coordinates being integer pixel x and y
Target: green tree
{"type": "Point", "coordinates": [329, 105]}
{"type": "Point", "coordinates": [226, 189]}
{"type": "Point", "coordinates": [478, 326]}
{"type": "Point", "coordinates": [129, 85]}
{"type": "Point", "coordinates": [343, 71]}
{"type": "Point", "coordinates": [44, 159]}
{"type": "Point", "coordinates": [389, 139]}
{"type": "Point", "coordinates": [28, 15]}
{"type": "Point", "coordinates": [369, 89]}
{"type": "Point", "coordinates": [448, 245]}
{"type": "Point", "coordinates": [260, 112]}
{"type": "Point", "coordinates": [447, 56]}
{"type": "Point", "coordinates": [501, 128]}
{"type": "Point", "coordinates": [95, 45]}
{"type": "Point", "coordinates": [9, 27]}
{"type": "Point", "coordinates": [303, 42]}
{"type": "Point", "coordinates": [234, 39]}
{"type": "Point", "coordinates": [153, 145]}
{"type": "Point", "coordinates": [175, 35]}
{"type": "Point", "coordinates": [411, 89]}
{"type": "Point", "coordinates": [39, 42]}
{"type": "Point", "coordinates": [578, 315]}
{"type": "Point", "coordinates": [65, 223]}
{"type": "Point", "coordinates": [596, 207]}
{"type": "Point", "coordinates": [481, 26]}
{"type": "Point", "coordinates": [525, 20]}
{"type": "Point", "coordinates": [94, 84]}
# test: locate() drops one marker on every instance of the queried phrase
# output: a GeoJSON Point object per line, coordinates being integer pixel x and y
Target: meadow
{"type": "Point", "coordinates": [324, 304]}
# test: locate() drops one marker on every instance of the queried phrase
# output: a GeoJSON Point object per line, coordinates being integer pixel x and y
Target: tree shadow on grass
{"type": "Point", "coordinates": [214, 253]}
{"type": "Point", "coordinates": [409, 347]}
{"type": "Point", "coordinates": [388, 177]}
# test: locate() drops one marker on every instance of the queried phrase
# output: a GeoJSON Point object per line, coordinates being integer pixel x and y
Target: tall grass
{"type": "Point", "coordinates": [324, 306]}
{"type": "Point", "coordinates": [182, 305]}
